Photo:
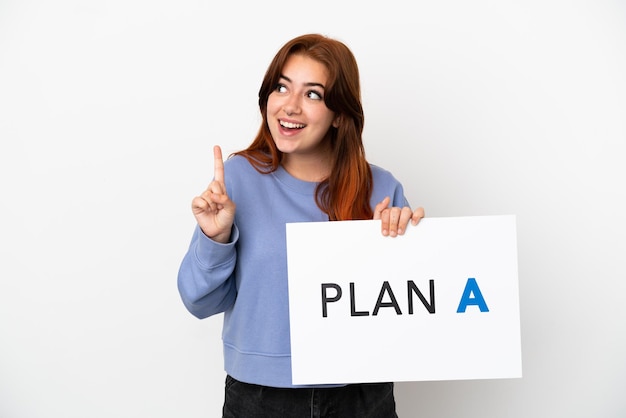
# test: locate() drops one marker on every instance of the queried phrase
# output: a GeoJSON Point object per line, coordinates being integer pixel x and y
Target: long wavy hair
{"type": "Point", "coordinates": [345, 194]}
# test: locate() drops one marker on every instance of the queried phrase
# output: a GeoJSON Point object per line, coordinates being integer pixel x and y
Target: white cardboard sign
{"type": "Point", "coordinates": [439, 303]}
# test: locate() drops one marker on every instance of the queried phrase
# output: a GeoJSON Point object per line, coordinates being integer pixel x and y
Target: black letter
{"type": "Point", "coordinates": [325, 299]}
{"type": "Point", "coordinates": [353, 311]}
{"type": "Point", "coordinates": [430, 306]}
{"type": "Point", "coordinates": [393, 302]}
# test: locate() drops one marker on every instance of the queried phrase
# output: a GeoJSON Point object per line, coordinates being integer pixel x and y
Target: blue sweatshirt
{"type": "Point", "coordinates": [247, 277]}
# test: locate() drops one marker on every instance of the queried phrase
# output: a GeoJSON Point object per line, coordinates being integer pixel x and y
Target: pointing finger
{"type": "Point", "coordinates": [218, 164]}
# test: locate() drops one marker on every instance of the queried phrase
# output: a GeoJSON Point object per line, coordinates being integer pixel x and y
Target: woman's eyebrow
{"type": "Point", "coordinates": [310, 84]}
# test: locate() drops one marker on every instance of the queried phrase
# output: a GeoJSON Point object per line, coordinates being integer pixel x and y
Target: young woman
{"type": "Point", "coordinates": [307, 163]}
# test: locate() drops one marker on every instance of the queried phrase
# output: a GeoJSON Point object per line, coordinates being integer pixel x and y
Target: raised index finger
{"type": "Point", "coordinates": [218, 165]}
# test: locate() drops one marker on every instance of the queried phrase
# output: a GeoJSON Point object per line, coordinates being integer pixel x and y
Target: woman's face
{"type": "Point", "coordinates": [297, 116]}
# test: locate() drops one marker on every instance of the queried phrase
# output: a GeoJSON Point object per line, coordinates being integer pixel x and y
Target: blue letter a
{"type": "Point", "coordinates": [471, 288]}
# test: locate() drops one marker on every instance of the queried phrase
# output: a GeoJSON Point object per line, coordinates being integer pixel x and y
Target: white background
{"type": "Point", "coordinates": [109, 110]}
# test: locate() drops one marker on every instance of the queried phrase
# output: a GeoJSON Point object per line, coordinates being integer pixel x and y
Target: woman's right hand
{"type": "Point", "coordinates": [213, 209]}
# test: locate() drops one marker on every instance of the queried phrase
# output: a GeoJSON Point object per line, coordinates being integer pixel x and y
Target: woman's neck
{"type": "Point", "coordinates": [315, 168]}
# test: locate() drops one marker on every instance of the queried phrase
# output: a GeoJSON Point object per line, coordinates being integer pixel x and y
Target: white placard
{"type": "Point", "coordinates": [357, 315]}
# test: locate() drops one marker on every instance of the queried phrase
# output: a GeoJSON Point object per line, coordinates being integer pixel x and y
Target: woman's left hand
{"type": "Point", "coordinates": [395, 219]}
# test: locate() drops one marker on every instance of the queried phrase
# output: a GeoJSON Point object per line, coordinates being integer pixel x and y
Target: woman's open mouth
{"type": "Point", "coordinates": [290, 125]}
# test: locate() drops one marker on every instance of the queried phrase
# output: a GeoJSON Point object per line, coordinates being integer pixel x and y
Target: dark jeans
{"type": "Point", "coordinates": [366, 400]}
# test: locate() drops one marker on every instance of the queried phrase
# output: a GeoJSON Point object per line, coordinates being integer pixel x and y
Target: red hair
{"type": "Point", "coordinates": [345, 194]}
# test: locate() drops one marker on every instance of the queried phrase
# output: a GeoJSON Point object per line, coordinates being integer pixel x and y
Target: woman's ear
{"type": "Point", "coordinates": [337, 121]}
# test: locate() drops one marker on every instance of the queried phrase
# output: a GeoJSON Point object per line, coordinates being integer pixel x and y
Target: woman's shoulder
{"type": "Point", "coordinates": [236, 160]}
{"type": "Point", "coordinates": [381, 174]}
{"type": "Point", "coordinates": [385, 184]}
{"type": "Point", "coordinates": [238, 164]}
{"type": "Point", "coordinates": [239, 170]}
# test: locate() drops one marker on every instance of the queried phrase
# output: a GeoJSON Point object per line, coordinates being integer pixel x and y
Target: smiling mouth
{"type": "Point", "coordinates": [289, 125]}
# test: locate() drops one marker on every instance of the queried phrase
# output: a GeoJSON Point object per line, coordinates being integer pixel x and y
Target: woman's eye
{"type": "Point", "coordinates": [314, 95]}
{"type": "Point", "coordinates": [281, 88]}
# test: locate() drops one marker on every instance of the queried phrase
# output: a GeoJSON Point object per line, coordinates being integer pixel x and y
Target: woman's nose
{"type": "Point", "coordinates": [292, 106]}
